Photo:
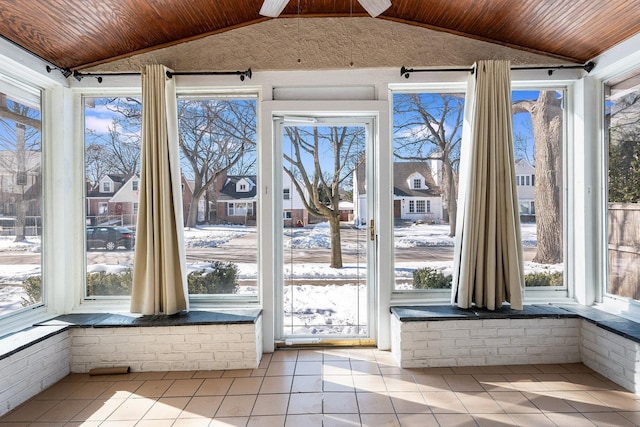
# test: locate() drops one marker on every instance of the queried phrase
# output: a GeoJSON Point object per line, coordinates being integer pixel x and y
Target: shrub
{"type": "Point", "coordinates": [33, 287]}
{"type": "Point", "coordinates": [219, 278]}
{"type": "Point", "coordinates": [109, 283]}
{"type": "Point", "coordinates": [430, 278]}
{"type": "Point", "coordinates": [543, 279]}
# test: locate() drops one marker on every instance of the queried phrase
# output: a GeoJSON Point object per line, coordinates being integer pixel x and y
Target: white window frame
{"type": "Point", "coordinates": [106, 186]}
{"type": "Point", "coordinates": [421, 206]}
{"type": "Point", "coordinates": [417, 183]}
{"type": "Point", "coordinates": [103, 208]}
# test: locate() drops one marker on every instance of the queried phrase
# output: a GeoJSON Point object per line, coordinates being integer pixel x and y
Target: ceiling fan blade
{"type": "Point", "coordinates": [273, 8]}
{"type": "Point", "coordinates": [375, 7]}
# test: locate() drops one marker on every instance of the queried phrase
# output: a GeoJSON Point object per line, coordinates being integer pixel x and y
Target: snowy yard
{"type": "Point", "coordinates": [211, 237]}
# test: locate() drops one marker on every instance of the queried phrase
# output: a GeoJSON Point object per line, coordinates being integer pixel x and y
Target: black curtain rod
{"type": "Point", "coordinates": [404, 71]}
{"type": "Point", "coordinates": [79, 76]}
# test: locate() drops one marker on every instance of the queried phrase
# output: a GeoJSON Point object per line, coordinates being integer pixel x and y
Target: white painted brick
{"type": "Point", "coordinates": [496, 323]}
{"type": "Point", "coordinates": [424, 335]}
{"type": "Point", "coordinates": [426, 353]}
{"type": "Point", "coordinates": [484, 332]}
{"type": "Point", "coordinates": [531, 331]}
{"type": "Point", "coordinates": [496, 341]}
{"type": "Point", "coordinates": [510, 332]}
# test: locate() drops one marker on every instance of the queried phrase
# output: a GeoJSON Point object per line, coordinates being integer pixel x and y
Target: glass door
{"type": "Point", "coordinates": [328, 230]}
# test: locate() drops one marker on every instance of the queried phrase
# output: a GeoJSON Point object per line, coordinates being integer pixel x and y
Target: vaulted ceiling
{"type": "Point", "coordinates": [77, 34]}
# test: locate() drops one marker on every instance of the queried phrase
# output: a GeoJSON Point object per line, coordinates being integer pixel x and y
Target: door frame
{"type": "Point", "coordinates": [270, 211]}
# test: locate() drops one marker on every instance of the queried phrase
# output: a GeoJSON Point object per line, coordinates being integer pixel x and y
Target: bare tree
{"type": "Point", "coordinates": [546, 119]}
{"type": "Point", "coordinates": [428, 127]}
{"type": "Point", "coordinates": [20, 141]}
{"type": "Point", "coordinates": [319, 162]}
{"type": "Point", "coordinates": [215, 135]}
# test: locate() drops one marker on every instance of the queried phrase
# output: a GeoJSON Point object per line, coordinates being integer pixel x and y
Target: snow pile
{"type": "Point", "coordinates": [300, 238]}
{"type": "Point", "coordinates": [212, 236]}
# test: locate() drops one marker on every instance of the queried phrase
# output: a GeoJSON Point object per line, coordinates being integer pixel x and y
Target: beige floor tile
{"type": "Point", "coordinates": [618, 400]}
{"type": "Point", "coordinates": [417, 420]}
{"type": "Point", "coordinates": [369, 383]}
{"type": "Point", "coordinates": [202, 407]}
{"type": "Point", "coordinates": [431, 382]}
{"type": "Point", "coordinates": [121, 390]}
{"type": "Point", "coordinates": [456, 420]}
{"type": "Point", "coordinates": [259, 372]}
{"type": "Point", "coordinates": [153, 388]}
{"type": "Point", "coordinates": [249, 385]}
{"type": "Point", "coordinates": [131, 409]}
{"type": "Point", "coordinates": [229, 422]}
{"type": "Point", "coordinates": [336, 367]}
{"type": "Point", "coordinates": [306, 384]}
{"type": "Point", "coordinates": [179, 375]}
{"type": "Point", "coordinates": [634, 417]}
{"type": "Point", "coordinates": [304, 420]}
{"type": "Point", "coordinates": [409, 402]}
{"type": "Point", "coordinates": [364, 367]}
{"type": "Point", "coordinates": [310, 355]}
{"type": "Point", "coordinates": [552, 369]}
{"type": "Point", "coordinates": [444, 402]}
{"type": "Point", "coordinates": [374, 403]}
{"type": "Point", "coordinates": [342, 383]}
{"type": "Point", "coordinates": [237, 373]}
{"type": "Point", "coordinates": [526, 382]}
{"type": "Point", "coordinates": [91, 390]}
{"type": "Point", "coordinates": [192, 422]}
{"type": "Point", "coordinates": [582, 401]}
{"type": "Point", "coordinates": [363, 354]}
{"type": "Point", "coordinates": [64, 410]}
{"type": "Point", "coordinates": [208, 374]}
{"type": "Point", "coordinates": [608, 419]}
{"type": "Point", "coordinates": [531, 420]}
{"type": "Point", "coordinates": [341, 420]}
{"type": "Point", "coordinates": [466, 370]}
{"type": "Point", "coordinates": [335, 354]}
{"type": "Point", "coordinates": [339, 403]}
{"type": "Point", "coordinates": [308, 368]}
{"type": "Point", "coordinates": [493, 420]}
{"type": "Point", "coordinates": [155, 423]}
{"type": "Point", "coordinates": [495, 370]}
{"type": "Point", "coordinates": [29, 411]}
{"type": "Point", "coordinates": [284, 356]}
{"type": "Point", "coordinates": [479, 402]}
{"type": "Point", "coordinates": [59, 391]}
{"type": "Point", "coordinates": [548, 403]}
{"type": "Point", "coordinates": [493, 382]}
{"type": "Point", "coordinates": [266, 421]}
{"type": "Point", "coordinates": [400, 383]}
{"type": "Point", "coordinates": [74, 424]}
{"type": "Point", "coordinates": [514, 402]}
{"type": "Point", "coordinates": [523, 369]}
{"type": "Point", "coordinates": [98, 410]}
{"type": "Point", "coordinates": [214, 387]}
{"type": "Point", "coordinates": [166, 408]}
{"type": "Point", "coordinates": [147, 376]}
{"type": "Point", "coordinates": [574, 419]}
{"type": "Point", "coordinates": [127, 423]}
{"type": "Point", "coordinates": [281, 368]}
{"type": "Point", "coordinates": [305, 403]}
{"type": "Point", "coordinates": [236, 406]}
{"type": "Point", "coordinates": [463, 383]}
{"type": "Point", "coordinates": [186, 387]}
{"type": "Point", "coordinates": [379, 420]}
{"type": "Point", "coordinates": [276, 384]}
{"type": "Point", "coordinates": [271, 404]}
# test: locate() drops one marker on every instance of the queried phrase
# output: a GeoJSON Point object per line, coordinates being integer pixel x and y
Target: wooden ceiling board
{"type": "Point", "coordinates": [77, 33]}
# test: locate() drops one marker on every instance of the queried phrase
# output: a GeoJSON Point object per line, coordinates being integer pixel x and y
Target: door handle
{"type": "Point", "coordinates": [372, 231]}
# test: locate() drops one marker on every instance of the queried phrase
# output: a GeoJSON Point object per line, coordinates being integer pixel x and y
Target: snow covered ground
{"type": "Point", "coordinates": [305, 304]}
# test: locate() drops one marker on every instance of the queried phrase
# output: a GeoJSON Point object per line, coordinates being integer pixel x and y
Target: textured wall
{"type": "Point", "coordinates": [324, 43]}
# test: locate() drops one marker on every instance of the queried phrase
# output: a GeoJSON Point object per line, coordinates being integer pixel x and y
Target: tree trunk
{"type": "Point", "coordinates": [546, 118]}
{"type": "Point", "coordinates": [21, 203]}
{"type": "Point", "coordinates": [450, 194]}
{"type": "Point", "coordinates": [336, 245]}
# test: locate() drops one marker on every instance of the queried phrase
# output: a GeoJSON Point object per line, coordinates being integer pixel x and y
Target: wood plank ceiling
{"type": "Point", "coordinates": [79, 33]}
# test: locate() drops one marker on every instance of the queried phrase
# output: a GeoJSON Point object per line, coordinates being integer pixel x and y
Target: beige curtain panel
{"type": "Point", "coordinates": [488, 255]}
{"type": "Point", "coordinates": [159, 273]}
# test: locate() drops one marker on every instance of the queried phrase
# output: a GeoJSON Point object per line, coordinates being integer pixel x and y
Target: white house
{"type": "Point", "coordinates": [525, 182]}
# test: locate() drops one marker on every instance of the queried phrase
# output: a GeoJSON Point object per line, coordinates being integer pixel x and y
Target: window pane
{"type": "Point", "coordinates": [112, 167]}
{"type": "Point", "coordinates": [20, 199]}
{"type": "Point", "coordinates": [538, 127]}
{"type": "Point", "coordinates": [427, 133]}
{"type": "Point", "coordinates": [426, 149]}
{"type": "Point", "coordinates": [622, 107]}
{"type": "Point", "coordinates": [218, 156]}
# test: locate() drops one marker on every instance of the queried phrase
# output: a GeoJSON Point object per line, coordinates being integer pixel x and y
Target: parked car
{"type": "Point", "coordinates": [109, 238]}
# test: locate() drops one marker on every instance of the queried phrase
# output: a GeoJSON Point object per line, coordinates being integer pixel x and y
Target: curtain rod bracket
{"type": "Point", "coordinates": [65, 71]}
{"type": "Point", "coordinates": [588, 67]}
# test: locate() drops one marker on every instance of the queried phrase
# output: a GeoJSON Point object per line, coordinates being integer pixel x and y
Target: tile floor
{"type": "Point", "coordinates": [336, 387]}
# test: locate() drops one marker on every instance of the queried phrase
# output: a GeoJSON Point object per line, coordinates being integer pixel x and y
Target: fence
{"type": "Point", "coordinates": [624, 250]}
